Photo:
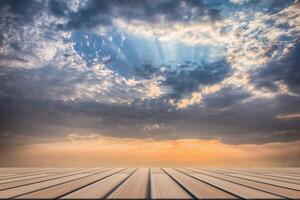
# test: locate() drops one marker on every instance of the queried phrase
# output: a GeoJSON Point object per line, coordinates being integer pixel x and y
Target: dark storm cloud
{"type": "Point", "coordinates": [23, 11]}
{"type": "Point", "coordinates": [102, 12]}
{"type": "Point", "coordinates": [226, 97]}
{"type": "Point", "coordinates": [253, 122]}
{"type": "Point", "coordinates": [185, 81]}
{"type": "Point", "coordinates": [40, 83]}
{"type": "Point", "coordinates": [17, 13]}
{"type": "Point", "coordinates": [286, 70]}
{"type": "Point", "coordinates": [186, 78]}
{"type": "Point", "coordinates": [148, 71]}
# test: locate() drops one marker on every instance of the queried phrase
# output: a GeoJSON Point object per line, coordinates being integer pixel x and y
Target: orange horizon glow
{"type": "Point", "coordinates": [95, 150]}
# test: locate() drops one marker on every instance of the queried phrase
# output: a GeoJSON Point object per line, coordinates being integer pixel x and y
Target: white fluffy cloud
{"type": "Point", "coordinates": [252, 40]}
{"type": "Point", "coordinates": [38, 45]}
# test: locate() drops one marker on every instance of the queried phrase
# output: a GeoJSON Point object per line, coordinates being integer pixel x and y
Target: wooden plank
{"type": "Point", "coordinates": [128, 170]}
{"type": "Point", "coordinates": [285, 176]}
{"type": "Point", "coordinates": [163, 187]}
{"type": "Point", "coordinates": [135, 187]}
{"type": "Point", "coordinates": [41, 179]}
{"type": "Point", "coordinates": [238, 190]}
{"type": "Point", "coordinates": [156, 170]}
{"type": "Point", "coordinates": [13, 192]}
{"type": "Point", "coordinates": [24, 174]}
{"type": "Point", "coordinates": [57, 191]}
{"type": "Point", "coordinates": [287, 193]}
{"type": "Point", "coordinates": [99, 189]}
{"type": "Point", "coordinates": [9, 180]}
{"type": "Point", "coordinates": [264, 171]}
{"type": "Point", "coordinates": [286, 170]}
{"type": "Point", "coordinates": [282, 179]}
{"type": "Point", "coordinates": [198, 188]}
{"type": "Point", "coordinates": [268, 181]}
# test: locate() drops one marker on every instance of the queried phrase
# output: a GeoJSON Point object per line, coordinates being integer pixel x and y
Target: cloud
{"type": "Point", "coordinates": [94, 13]}
{"type": "Point", "coordinates": [284, 69]}
{"type": "Point", "coordinates": [187, 69]}
{"type": "Point", "coordinates": [251, 44]}
{"type": "Point", "coordinates": [238, 1]}
{"type": "Point", "coordinates": [186, 78]}
{"type": "Point", "coordinates": [184, 81]}
{"type": "Point", "coordinates": [293, 116]}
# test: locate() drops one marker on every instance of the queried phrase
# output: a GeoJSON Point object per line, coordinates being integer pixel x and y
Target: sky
{"type": "Point", "coordinates": [142, 82]}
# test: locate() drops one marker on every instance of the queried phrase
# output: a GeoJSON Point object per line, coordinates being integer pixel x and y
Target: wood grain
{"type": "Point", "coordinates": [62, 189]}
{"type": "Point", "coordinates": [287, 193]}
{"type": "Point", "coordinates": [150, 183]}
{"type": "Point", "coordinates": [136, 187]}
{"type": "Point", "coordinates": [239, 190]}
{"type": "Point", "coordinates": [99, 189]}
{"type": "Point", "coordinates": [198, 188]}
{"type": "Point", "coordinates": [163, 187]}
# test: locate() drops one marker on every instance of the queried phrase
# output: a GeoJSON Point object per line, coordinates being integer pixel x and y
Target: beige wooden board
{"type": "Point", "coordinates": [287, 170]}
{"type": "Point", "coordinates": [268, 181]}
{"type": "Point", "coordinates": [128, 170]}
{"type": "Point", "coordinates": [278, 171]}
{"type": "Point", "coordinates": [24, 174]}
{"type": "Point", "coordinates": [37, 186]}
{"type": "Point", "coordinates": [282, 179]}
{"type": "Point", "coordinates": [198, 188]}
{"type": "Point", "coordinates": [32, 175]}
{"type": "Point", "coordinates": [4, 175]}
{"type": "Point", "coordinates": [285, 176]}
{"type": "Point", "coordinates": [99, 189]}
{"type": "Point", "coordinates": [166, 183]}
{"type": "Point", "coordinates": [163, 187]}
{"type": "Point", "coordinates": [135, 187]}
{"type": "Point", "coordinates": [290, 178]}
{"type": "Point", "coordinates": [8, 180]}
{"type": "Point", "coordinates": [239, 190]}
{"type": "Point", "coordinates": [155, 170]}
{"type": "Point", "coordinates": [41, 179]}
{"type": "Point", "coordinates": [62, 189]}
{"type": "Point", "coordinates": [19, 175]}
{"type": "Point", "coordinates": [288, 193]}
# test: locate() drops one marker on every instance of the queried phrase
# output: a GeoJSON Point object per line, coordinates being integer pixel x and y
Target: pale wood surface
{"type": "Point", "coordinates": [265, 175]}
{"type": "Point", "coordinates": [62, 189]}
{"type": "Point", "coordinates": [268, 181]}
{"type": "Point", "coordinates": [10, 193]}
{"type": "Point", "coordinates": [198, 188]}
{"type": "Point", "coordinates": [163, 187]}
{"type": "Point", "coordinates": [135, 187]}
{"type": "Point", "coordinates": [285, 192]}
{"type": "Point", "coordinates": [239, 190]}
{"type": "Point", "coordinates": [150, 183]}
{"type": "Point", "coordinates": [99, 189]}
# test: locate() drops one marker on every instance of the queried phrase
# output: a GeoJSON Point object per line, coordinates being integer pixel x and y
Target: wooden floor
{"type": "Point", "coordinates": [150, 183]}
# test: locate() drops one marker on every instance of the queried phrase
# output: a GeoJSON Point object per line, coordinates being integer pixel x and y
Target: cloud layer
{"type": "Point", "coordinates": [222, 70]}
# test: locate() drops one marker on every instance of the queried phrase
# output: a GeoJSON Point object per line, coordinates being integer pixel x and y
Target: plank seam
{"type": "Point", "coordinates": [260, 176]}
{"type": "Point", "coordinates": [90, 183]}
{"type": "Point", "coordinates": [149, 196]}
{"type": "Point", "coordinates": [244, 185]}
{"type": "Point", "coordinates": [184, 188]}
{"type": "Point", "coordinates": [211, 185]}
{"type": "Point", "coordinates": [118, 185]}
{"type": "Point", "coordinates": [224, 173]}
{"type": "Point", "coordinates": [57, 184]}
{"type": "Point", "coordinates": [63, 176]}
{"type": "Point", "coordinates": [30, 174]}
